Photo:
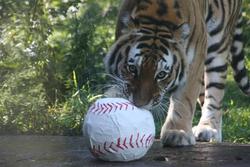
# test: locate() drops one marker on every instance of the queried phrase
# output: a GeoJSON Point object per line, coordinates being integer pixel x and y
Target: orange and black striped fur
{"type": "Point", "coordinates": [181, 47]}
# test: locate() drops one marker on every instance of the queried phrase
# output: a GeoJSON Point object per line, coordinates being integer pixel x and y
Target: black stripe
{"type": "Point", "coordinates": [119, 58]}
{"type": "Point", "coordinates": [166, 36]}
{"type": "Point", "coordinates": [127, 50]}
{"type": "Point", "coordinates": [221, 25]}
{"type": "Point", "coordinates": [147, 1]}
{"type": "Point", "coordinates": [202, 94]}
{"type": "Point", "coordinates": [164, 42]}
{"type": "Point", "coordinates": [209, 60]}
{"type": "Point", "coordinates": [131, 60]}
{"type": "Point", "coordinates": [175, 59]}
{"type": "Point", "coordinates": [177, 9]}
{"type": "Point", "coordinates": [214, 107]}
{"type": "Point", "coordinates": [145, 31]}
{"type": "Point", "coordinates": [215, 85]}
{"type": "Point", "coordinates": [172, 89]}
{"type": "Point", "coordinates": [149, 20]}
{"type": "Point", "coordinates": [236, 59]}
{"type": "Point", "coordinates": [216, 46]}
{"type": "Point", "coordinates": [182, 70]}
{"type": "Point", "coordinates": [240, 75]}
{"type": "Point", "coordinates": [143, 5]}
{"type": "Point", "coordinates": [222, 68]}
{"type": "Point", "coordinates": [148, 28]}
{"type": "Point", "coordinates": [116, 50]}
{"type": "Point", "coordinates": [138, 54]}
{"type": "Point", "coordinates": [223, 76]}
{"type": "Point", "coordinates": [143, 45]}
{"type": "Point", "coordinates": [246, 87]}
{"type": "Point", "coordinates": [238, 37]}
{"type": "Point", "coordinates": [210, 13]}
{"type": "Point", "coordinates": [178, 114]}
{"type": "Point", "coordinates": [162, 9]}
{"type": "Point", "coordinates": [225, 48]}
{"type": "Point", "coordinates": [144, 1]}
{"type": "Point", "coordinates": [211, 97]}
{"type": "Point", "coordinates": [145, 38]}
{"type": "Point", "coordinates": [176, 5]}
{"type": "Point", "coordinates": [113, 56]}
{"type": "Point", "coordinates": [164, 50]}
{"type": "Point", "coordinates": [240, 24]}
{"type": "Point", "coordinates": [216, 3]}
{"type": "Point", "coordinates": [233, 49]}
{"type": "Point", "coordinates": [178, 14]}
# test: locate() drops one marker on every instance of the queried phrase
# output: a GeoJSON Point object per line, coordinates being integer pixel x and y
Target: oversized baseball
{"type": "Point", "coordinates": [116, 130]}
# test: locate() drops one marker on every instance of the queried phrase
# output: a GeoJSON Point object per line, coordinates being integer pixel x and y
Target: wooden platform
{"type": "Point", "coordinates": [60, 151]}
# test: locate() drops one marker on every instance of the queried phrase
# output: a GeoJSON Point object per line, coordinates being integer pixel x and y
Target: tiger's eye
{"type": "Point", "coordinates": [161, 75]}
{"type": "Point", "coordinates": [132, 69]}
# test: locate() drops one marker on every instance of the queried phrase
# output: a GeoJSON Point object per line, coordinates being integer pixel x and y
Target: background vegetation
{"type": "Point", "coordinates": [51, 67]}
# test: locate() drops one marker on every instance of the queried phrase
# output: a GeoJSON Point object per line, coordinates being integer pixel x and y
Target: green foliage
{"type": "Point", "coordinates": [236, 118]}
{"type": "Point", "coordinates": [51, 67]}
{"type": "Point", "coordinates": [48, 51]}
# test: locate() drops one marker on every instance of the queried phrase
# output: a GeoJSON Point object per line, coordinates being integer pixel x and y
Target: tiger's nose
{"type": "Point", "coordinates": [140, 103]}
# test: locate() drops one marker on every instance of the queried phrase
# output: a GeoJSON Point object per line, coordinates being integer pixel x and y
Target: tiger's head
{"type": "Point", "coordinates": [147, 60]}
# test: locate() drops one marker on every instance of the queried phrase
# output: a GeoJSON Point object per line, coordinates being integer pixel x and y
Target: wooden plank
{"type": "Point", "coordinates": [50, 151]}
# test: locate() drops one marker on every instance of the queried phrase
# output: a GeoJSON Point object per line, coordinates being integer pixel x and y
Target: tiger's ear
{"type": "Point", "coordinates": [182, 32]}
{"type": "Point", "coordinates": [129, 23]}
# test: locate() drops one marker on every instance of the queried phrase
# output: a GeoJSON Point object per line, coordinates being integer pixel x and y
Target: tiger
{"type": "Point", "coordinates": [181, 48]}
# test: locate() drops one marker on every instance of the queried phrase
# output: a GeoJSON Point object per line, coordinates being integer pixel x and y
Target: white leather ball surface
{"type": "Point", "coordinates": [116, 130]}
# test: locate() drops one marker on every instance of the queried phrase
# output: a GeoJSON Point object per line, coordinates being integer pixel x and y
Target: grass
{"type": "Point", "coordinates": [236, 118]}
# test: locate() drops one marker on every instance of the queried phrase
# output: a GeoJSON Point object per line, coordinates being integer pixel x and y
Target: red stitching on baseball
{"type": "Point", "coordinates": [131, 104]}
{"type": "Point", "coordinates": [114, 106]}
{"type": "Point", "coordinates": [104, 108]}
{"type": "Point", "coordinates": [112, 148]}
{"type": "Point", "coordinates": [94, 152]}
{"type": "Point", "coordinates": [124, 143]}
{"type": "Point", "coordinates": [119, 143]}
{"type": "Point", "coordinates": [130, 141]}
{"type": "Point", "coordinates": [97, 107]}
{"type": "Point", "coordinates": [136, 141]}
{"type": "Point", "coordinates": [148, 140]}
{"type": "Point", "coordinates": [126, 105]}
{"type": "Point", "coordinates": [142, 139]}
{"type": "Point", "coordinates": [120, 104]}
{"type": "Point", "coordinates": [105, 147]}
{"type": "Point", "coordinates": [111, 107]}
{"type": "Point", "coordinates": [98, 150]}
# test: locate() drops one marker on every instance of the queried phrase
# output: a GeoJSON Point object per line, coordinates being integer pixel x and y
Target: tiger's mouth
{"type": "Point", "coordinates": [123, 92]}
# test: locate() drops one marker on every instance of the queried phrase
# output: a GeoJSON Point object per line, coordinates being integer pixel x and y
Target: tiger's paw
{"type": "Point", "coordinates": [176, 138]}
{"type": "Point", "coordinates": [206, 133]}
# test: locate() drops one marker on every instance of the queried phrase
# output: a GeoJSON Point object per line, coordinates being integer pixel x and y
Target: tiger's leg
{"type": "Point", "coordinates": [209, 127]}
{"type": "Point", "coordinates": [177, 129]}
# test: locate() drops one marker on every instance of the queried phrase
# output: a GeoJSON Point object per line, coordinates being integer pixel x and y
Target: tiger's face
{"type": "Point", "coordinates": [147, 68]}
{"type": "Point", "coordinates": [149, 73]}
